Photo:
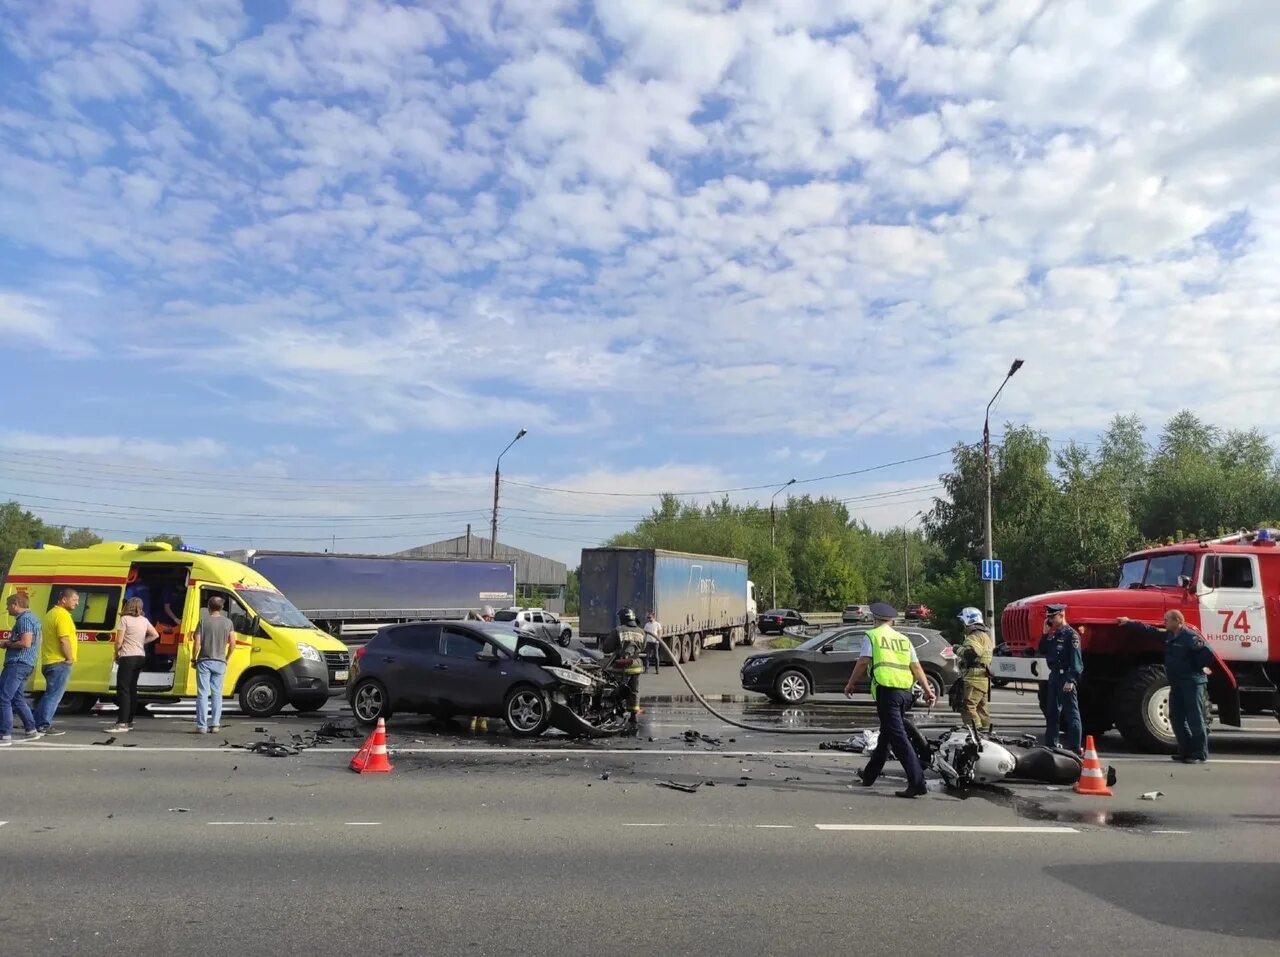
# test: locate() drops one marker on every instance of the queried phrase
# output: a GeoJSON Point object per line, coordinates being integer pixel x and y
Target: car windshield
{"type": "Point", "coordinates": [1159, 571]}
{"type": "Point", "coordinates": [273, 608]}
{"type": "Point", "coordinates": [506, 638]}
{"type": "Point", "coordinates": [506, 616]}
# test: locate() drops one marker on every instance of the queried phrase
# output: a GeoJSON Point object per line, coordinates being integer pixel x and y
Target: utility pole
{"type": "Point", "coordinates": [989, 586]}
{"type": "Point", "coordinates": [906, 553]}
{"type": "Point", "coordinates": [773, 540]}
{"type": "Point", "coordinates": [468, 539]}
{"type": "Point", "coordinates": [497, 478]}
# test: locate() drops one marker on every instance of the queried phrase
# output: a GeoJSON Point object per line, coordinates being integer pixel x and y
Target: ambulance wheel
{"type": "Point", "coordinates": [262, 695]}
{"type": "Point", "coordinates": [77, 702]}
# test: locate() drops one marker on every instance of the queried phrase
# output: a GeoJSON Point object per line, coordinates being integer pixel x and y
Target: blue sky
{"type": "Point", "coordinates": [276, 273]}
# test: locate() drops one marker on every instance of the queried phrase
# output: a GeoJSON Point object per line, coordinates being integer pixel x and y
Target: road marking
{"type": "Point", "coordinates": [249, 823]}
{"type": "Point", "coordinates": [775, 827]}
{"type": "Point", "coordinates": [3, 823]}
{"type": "Point", "coordinates": [644, 825]}
{"type": "Point", "coordinates": [1170, 832]}
{"type": "Point", "coordinates": [949, 828]}
{"type": "Point", "coordinates": [364, 824]}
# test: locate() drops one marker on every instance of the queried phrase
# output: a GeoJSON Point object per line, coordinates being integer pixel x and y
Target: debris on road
{"type": "Point", "coordinates": [1151, 795]}
{"type": "Point", "coordinates": [677, 786]}
{"type": "Point", "coordinates": [110, 740]}
{"type": "Point", "coordinates": [273, 749]}
{"type": "Point", "coordinates": [180, 810]}
{"type": "Point", "coordinates": [693, 737]}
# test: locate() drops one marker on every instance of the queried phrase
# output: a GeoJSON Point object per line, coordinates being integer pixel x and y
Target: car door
{"type": "Point", "coordinates": [468, 685]}
{"type": "Point", "coordinates": [835, 661]}
{"type": "Point", "coordinates": [406, 665]}
{"type": "Point", "coordinates": [537, 625]}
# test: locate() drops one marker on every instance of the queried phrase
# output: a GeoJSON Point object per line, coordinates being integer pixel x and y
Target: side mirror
{"type": "Point", "coordinates": [487, 655]}
{"type": "Point", "coordinates": [827, 649]}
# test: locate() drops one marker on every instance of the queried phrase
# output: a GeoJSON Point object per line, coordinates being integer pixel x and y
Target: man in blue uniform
{"type": "Point", "coordinates": [1060, 647]}
{"type": "Point", "coordinates": [894, 667]}
{"type": "Point", "coordinates": [1186, 660]}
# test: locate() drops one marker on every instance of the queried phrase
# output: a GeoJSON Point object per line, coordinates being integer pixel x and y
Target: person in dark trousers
{"type": "Point", "coordinates": [1186, 661]}
{"type": "Point", "coordinates": [894, 667]}
{"type": "Point", "coordinates": [652, 632]}
{"type": "Point", "coordinates": [1060, 648]}
{"type": "Point", "coordinates": [624, 647]}
{"type": "Point", "coordinates": [133, 635]}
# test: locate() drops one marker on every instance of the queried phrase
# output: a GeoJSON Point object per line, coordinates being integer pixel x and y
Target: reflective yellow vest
{"type": "Point", "coordinates": [890, 659]}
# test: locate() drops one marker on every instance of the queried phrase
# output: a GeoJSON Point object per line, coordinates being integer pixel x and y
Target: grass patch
{"type": "Point", "coordinates": [782, 643]}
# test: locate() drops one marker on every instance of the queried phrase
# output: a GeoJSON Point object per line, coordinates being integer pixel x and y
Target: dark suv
{"type": "Point", "coordinates": [448, 668]}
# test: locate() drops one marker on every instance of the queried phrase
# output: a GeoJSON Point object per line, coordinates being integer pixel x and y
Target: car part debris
{"type": "Point", "coordinates": [677, 786]}
{"type": "Point", "coordinates": [273, 749]}
{"type": "Point", "coordinates": [693, 737]}
{"type": "Point", "coordinates": [1151, 795]}
{"type": "Point", "coordinates": [110, 740]}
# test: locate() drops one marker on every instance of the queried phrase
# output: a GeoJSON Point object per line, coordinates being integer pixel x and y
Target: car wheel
{"type": "Point", "coordinates": [369, 702]}
{"type": "Point", "coordinates": [792, 686]}
{"type": "Point", "coordinates": [262, 695]}
{"type": "Point", "coordinates": [526, 711]}
{"type": "Point", "coordinates": [565, 637]}
{"type": "Point", "coordinates": [935, 683]}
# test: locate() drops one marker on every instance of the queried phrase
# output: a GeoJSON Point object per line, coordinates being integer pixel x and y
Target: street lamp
{"type": "Point", "coordinates": [493, 527]}
{"type": "Point", "coordinates": [906, 553]}
{"type": "Point", "coordinates": [773, 538]}
{"type": "Point", "coordinates": [989, 585]}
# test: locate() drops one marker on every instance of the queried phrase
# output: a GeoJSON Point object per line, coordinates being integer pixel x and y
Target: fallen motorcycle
{"type": "Point", "coordinates": [964, 757]}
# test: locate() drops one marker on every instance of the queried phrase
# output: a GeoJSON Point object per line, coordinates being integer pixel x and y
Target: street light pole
{"type": "Point", "coordinates": [906, 552]}
{"type": "Point", "coordinates": [497, 476]}
{"type": "Point", "coordinates": [773, 540]}
{"type": "Point", "coordinates": [989, 586]}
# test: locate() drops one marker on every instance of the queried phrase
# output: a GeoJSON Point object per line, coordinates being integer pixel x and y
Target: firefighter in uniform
{"type": "Point", "coordinates": [1060, 648]}
{"type": "Point", "coordinates": [625, 645]}
{"type": "Point", "coordinates": [974, 687]}
{"type": "Point", "coordinates": [894, 667]}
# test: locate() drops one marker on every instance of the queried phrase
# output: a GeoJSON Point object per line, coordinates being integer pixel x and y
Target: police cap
{"type": "Point", "coordinates": [1054, 609]}
{"type": "Point", "coordinates": [884, 611]}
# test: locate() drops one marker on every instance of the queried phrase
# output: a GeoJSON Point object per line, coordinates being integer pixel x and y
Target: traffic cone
{"type": "Point", "coordinates": [1092, 779]}
{"type": "Point", "coordinates": [372, 756]}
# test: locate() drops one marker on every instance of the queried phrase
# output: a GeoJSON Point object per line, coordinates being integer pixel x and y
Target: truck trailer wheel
{"type": "Point", "coordinates": [695, 647]}
{"type": "Point", "coordinates": [1142, 710]}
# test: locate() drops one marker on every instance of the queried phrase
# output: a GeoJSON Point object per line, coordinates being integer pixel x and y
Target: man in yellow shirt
{"type": "Point", "coordinates": [57, 656]}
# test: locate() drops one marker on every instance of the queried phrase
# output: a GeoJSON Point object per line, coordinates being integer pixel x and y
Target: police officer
{"type": "Point", "coordinates": [1186, 660]}
{"type": "Point", "coordinates": [625, 646]}
{"type": "Point", "coordinates": [1060, 647]}
{"type": "Point", "coordinates": [975, 654]}
{"type": "Point", "coordinates": [894, 667]}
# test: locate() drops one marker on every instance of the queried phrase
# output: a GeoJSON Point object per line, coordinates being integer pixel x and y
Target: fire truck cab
{"type": "Point", "coordinates": [1227, 588]}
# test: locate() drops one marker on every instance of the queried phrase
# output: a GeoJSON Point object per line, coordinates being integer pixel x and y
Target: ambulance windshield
{"type": "Point", "coordinates": [273, 608]}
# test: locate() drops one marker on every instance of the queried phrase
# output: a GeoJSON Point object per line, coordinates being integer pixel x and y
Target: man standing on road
{"type": "Point", "coordinates": [1186, 660]}
{"type": "Point", "coordinates": [652, 632]}
{"type": "Point", "coordinates": [215, 639]}
{"type": "Point", "coordinates": [20, 651]}
{"type": "Point", "coordinates": [58, 651]}
{"type": "Point", "coordinates": [894, 667]}
{"type": "Point", "coordinates": [625, 646]}
{"type": "Point", "coordinates": [1060, 647]}
{"type": "Point", "coordinates": [975, 654]}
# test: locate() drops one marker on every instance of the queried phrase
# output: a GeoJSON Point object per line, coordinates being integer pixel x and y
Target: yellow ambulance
{"type": "Point", "coordinates": [280, 657]}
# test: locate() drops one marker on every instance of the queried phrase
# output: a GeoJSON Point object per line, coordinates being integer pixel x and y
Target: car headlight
{"type": "Point", "coordinates": [309, 652]}
{"type": "Point", "coordinates": [753, 663]}
{"type": "Point", "coordinates": [569, 677]}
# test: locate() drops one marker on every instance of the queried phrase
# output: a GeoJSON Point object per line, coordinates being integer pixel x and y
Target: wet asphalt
{"type": "Point", "coordinates": [724, 840]}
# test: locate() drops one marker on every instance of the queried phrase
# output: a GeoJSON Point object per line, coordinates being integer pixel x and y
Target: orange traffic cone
{"type": "Point", "coordinates": [1092, 779]}
{"type": "Point", "coordinates": [372, 756]}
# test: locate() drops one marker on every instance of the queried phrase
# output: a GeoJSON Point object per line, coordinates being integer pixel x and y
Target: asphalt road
{"type": "Point", "coordinates": [486, 845]}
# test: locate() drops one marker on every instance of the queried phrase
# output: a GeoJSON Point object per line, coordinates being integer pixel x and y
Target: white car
{"type": "Point", "coordinates": [537, 622]}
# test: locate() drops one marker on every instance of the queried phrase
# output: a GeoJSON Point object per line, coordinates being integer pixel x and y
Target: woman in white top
{"type": "Point", "coordinates": [132, 637]}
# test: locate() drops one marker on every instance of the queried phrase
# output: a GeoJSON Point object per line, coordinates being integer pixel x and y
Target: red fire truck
{"type": "Point", "coordinates": [1228, 588]}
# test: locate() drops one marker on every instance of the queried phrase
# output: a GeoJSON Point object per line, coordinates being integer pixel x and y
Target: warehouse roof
{"type": "Point", "coordinates": [531, 569]}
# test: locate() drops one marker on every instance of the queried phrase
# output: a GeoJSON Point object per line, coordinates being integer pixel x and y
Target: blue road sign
{"type": "Point", "coordinates": [992, 570]}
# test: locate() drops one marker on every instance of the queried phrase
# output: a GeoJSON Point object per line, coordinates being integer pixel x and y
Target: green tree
{"type": "Point", "coordinates": [573, 592]}
{"type": "Point", "coordinates": [82, 538]}
{"type": "Point", "coordinates": [170, 537]}
{"type": "Point", "coordinates": [22, 529]}
{"type": "Point", "coordinates": [947, 593]}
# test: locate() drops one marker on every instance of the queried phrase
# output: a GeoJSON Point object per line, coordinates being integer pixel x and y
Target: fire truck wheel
{"type": "Point", "coordinates": [1142, 710]}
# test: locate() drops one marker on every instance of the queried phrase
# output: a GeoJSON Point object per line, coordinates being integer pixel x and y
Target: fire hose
{"type": "Point", "coordinates": [827, 732]}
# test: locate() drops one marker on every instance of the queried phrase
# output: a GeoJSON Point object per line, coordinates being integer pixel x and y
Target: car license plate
{"type": "Point", "coordinates": [340, 676]}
